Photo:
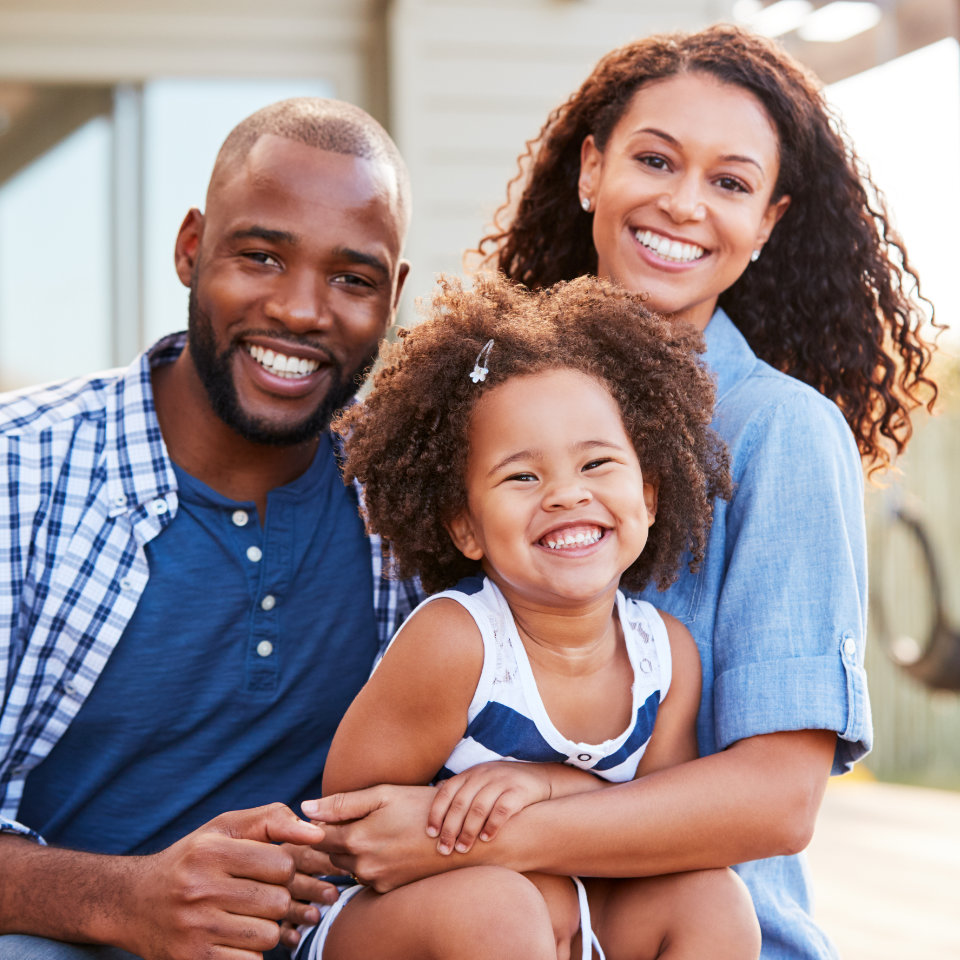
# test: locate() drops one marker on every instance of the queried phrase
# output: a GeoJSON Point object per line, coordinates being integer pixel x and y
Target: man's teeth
{"type": "Point", "coordinates": [669, 249]}
{"type": "Point", "coordinates": [282, 365]}
{"type": "Point", "coordinates": [573, 540]}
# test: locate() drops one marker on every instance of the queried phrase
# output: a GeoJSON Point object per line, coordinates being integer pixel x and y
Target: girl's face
{"type": "Point", "coordinates": [682, 193]}
{"type": "Point", "coordinates": [557, 507]}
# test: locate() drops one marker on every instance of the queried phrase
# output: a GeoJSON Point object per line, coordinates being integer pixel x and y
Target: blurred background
{"type": "Point", "coordinates": [111, 112]}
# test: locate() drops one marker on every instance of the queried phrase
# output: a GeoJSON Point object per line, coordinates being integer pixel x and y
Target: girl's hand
{"type": "Point", "coordinates": [480, 800]}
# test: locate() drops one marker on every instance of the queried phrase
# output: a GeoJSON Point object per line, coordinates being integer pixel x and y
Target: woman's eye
{"type": "Point", "coordinates": [732, 184]}
{"type": "Point", "coordinates": [653, 160]}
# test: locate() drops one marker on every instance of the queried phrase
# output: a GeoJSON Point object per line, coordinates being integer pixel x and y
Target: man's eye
{"type": "Point", "coordinates": [353, 279]}
{"type": "Point", "coordinates": [259, 256]}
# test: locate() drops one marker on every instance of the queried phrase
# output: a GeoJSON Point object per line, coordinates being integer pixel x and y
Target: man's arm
{"type": "Point", "coordinates": [759, 798]}
{"type": "Point", "coordinates": [218, 892]}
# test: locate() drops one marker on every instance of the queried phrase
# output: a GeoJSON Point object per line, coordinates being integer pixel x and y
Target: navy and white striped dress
{"type": "Point", "coordinates": [507, 719]}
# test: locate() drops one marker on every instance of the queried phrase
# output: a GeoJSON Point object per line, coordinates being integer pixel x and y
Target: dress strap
{"type": "Point", "coordinates": [588, 938]}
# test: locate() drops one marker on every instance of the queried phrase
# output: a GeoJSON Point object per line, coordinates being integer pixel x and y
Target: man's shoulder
{"type": "Point", "coordinates": [42, 408]}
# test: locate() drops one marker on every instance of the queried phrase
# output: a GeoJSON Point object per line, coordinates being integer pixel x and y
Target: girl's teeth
{"type": "Point", "coordinates": [573, 540]}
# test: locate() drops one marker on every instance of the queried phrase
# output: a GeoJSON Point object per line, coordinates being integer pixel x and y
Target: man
{"type": "Point", "coordinates": [187, 600]}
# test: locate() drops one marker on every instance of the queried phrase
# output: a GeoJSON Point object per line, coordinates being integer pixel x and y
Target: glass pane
{"type": "Point", "coordinates": [54, 262]}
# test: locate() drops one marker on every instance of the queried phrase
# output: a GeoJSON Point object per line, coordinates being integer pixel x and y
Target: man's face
{"type": "Point", "coordinates": [294, 274]}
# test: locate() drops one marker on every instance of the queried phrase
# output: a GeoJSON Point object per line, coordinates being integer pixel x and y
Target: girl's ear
{"type": "Point", "coordinates": [463, 536]}
{"type": "Point", "coordinates": [650, 491]}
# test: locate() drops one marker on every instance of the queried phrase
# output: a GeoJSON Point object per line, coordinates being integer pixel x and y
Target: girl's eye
{"type": "Point", "coordinates": [593, 464]}
{"type": "Point", "coordinates": [522, 477]}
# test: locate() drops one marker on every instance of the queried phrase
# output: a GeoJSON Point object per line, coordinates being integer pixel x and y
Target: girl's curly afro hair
{"type": "Point", "coordinates": [407, 443]}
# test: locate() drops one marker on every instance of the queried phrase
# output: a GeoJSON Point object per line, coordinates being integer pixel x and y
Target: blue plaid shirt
{"type": "Point", "coordinates": [86, 484]}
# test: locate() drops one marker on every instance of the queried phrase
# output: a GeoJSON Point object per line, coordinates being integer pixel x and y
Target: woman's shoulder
{"type": "Point", "coordinates": [769, 411]}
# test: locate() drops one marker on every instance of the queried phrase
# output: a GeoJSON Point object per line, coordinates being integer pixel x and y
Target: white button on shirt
{"type": "Point", "coordinates": [268, 602]}
{"type": "Point", "coordinates": [264, 648]}
{"type": "Point", "coordinates": [240, 517]}
{"type": "Point", "coordinates": [254, 554]}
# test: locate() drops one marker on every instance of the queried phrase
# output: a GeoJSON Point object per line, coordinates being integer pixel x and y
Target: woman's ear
{"type": "Point", "coordinates": [591, 159]}
{"type": "Point", "coordinates": [464, 537]}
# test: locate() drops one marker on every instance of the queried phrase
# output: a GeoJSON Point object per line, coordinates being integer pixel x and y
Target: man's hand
{"type": "Point", "coordinates": [378, 835]}
{"type": "Point", "coordinates": [480, 800]}
{"type": "Point", "coordinates": [306, 889]}
{"type": "Point", "coordinates": [221, 891]}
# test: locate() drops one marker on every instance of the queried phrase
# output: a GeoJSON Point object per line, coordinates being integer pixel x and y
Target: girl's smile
{"type": "Point", "coordinates": [557, 505]}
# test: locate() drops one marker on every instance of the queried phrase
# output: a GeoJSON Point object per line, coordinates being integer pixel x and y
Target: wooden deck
{"type": "Point", "coordinates": [886, 871]}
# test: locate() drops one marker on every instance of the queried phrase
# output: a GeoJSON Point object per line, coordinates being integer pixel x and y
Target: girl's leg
{"type": "Point", "coordinates": [477, 913]}
{"type": "Point", "coordinates": [683, 916]}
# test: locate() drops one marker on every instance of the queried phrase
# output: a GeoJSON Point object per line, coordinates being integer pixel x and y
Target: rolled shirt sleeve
{"type": "Point", "coordinates": [791, 614]}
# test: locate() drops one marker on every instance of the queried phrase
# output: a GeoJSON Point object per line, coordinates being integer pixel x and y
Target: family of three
{"type": "Point", "coordinates": [643, 538]}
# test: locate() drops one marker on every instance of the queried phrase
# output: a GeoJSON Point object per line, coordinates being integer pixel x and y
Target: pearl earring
{"type": "Point", "coordinates": [755, 256]}
{"type": "Point", "coordinates": [585, 203]}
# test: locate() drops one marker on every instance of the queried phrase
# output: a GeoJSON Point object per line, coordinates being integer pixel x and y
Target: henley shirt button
{"type": "Point", "coordinates": [254, 554]}
{"type": "Point", "coordinates": [264, 648]}
{"type": "Point", "coordinates": [268, 602]}
{"type": "Point", "coordinates": [584, 757]}
{"type": "Point", "coordinates": [240, 518]}
{"type": "Point", "coordinates": [159, 507]}
{"type": "Point", "coordinates": [849, 647]}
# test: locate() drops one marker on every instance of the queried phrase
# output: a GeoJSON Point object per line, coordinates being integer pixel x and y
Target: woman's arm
{"type": "Point", "coordinates": [756, 799]}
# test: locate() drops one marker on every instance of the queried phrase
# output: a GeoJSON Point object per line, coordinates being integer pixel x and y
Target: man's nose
{"type": "Point", "coordinates": [299, 302]}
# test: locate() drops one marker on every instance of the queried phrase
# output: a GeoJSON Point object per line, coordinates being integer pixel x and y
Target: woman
{"type": "Point", "coordinates": [706, 171]}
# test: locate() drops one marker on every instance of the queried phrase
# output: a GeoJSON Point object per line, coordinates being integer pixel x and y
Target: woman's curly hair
{"type": "Point", "coordinates": [833, 300]}
{"type": "Point", "coordinates": [407, 443]}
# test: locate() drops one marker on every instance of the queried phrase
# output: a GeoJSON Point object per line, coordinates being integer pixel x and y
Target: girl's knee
{"type": "Point", "coordinates": [720, 903]}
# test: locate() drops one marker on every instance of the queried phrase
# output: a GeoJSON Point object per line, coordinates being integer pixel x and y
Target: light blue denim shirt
{"type": "Point", "coordinates": [778, 607]}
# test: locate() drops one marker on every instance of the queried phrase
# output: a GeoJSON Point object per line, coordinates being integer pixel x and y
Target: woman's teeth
{"type": "Point", "coordinates": [280, 364]}
{"type": "Point", "coordinates": [572, 540]}
{"type": "Point", "coordinates": [669, 249]}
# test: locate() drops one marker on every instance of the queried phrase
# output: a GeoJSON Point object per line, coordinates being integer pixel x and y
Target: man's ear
{"type": "Point", "coordinates": [463, 536]}
{"type": "Point", "coordinates": [186, 248]}
{"type": "Point", "coordinates": [650, 492]}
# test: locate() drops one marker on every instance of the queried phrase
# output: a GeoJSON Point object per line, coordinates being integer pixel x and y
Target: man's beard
{"type": "Point", "coordinates": [215, 374]}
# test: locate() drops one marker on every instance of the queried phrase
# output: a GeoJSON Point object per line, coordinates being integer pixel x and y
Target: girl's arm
{"type": "Point", "coordinates": [410, 714]}
{"type": "Point", "coordinates": [674, 737]}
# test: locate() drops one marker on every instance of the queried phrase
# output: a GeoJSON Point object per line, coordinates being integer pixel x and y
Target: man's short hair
{"type": "Point", "coordinates": [325, 124]}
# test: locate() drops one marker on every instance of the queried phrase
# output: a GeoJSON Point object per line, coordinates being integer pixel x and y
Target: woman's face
{"type": "Point", "coordinates": [682, 192]}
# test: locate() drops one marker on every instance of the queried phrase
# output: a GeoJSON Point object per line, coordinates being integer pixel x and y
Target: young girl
{"type": "Point", "coordinates": [526, 454]}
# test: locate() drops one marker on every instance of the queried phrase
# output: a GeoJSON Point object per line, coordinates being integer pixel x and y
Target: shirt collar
{"type": "Point", "coordinates": [139, 471]}
{"type": "Point", "coordinates": [728, 354]}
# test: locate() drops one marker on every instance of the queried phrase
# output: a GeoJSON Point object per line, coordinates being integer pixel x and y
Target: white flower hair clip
{"type": "Point", "coordinates": [479, 372]}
